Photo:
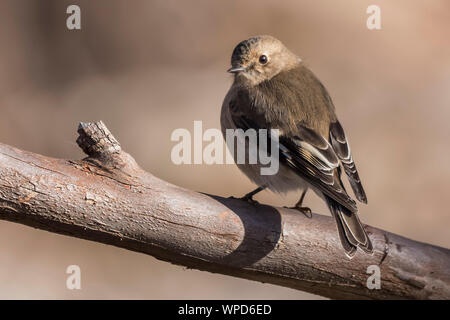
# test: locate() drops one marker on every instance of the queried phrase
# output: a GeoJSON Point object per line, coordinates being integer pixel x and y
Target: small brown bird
{"type": "Point", "coordinates": [273, 89]}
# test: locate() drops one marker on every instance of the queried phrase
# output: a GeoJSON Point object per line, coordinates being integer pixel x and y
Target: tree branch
{"type": "Point", "coordinates": [108, 198]}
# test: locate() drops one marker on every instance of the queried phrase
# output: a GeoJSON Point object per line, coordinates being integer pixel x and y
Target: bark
{"type": "Point", "coordinates": [108, 198]}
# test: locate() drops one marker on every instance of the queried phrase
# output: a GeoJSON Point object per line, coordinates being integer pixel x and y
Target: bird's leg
{"type": "Point", "coordinates": [299, 202]}
{"type": "Point", "coordinates": [298, 206]}
{"type": "Point", "coordinates": [249, 196]}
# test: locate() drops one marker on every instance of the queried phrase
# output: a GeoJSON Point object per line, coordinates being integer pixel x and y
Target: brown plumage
{"type": "Point", "coordinates": [273, 89]}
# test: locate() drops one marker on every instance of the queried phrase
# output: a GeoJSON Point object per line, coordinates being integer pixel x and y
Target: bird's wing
{"type": "Point", "coordinates": [312, 157]}
{"type": "Point", "coordinates": [307, 153]}
{"type": "Point", "coordinates": [342, 149]}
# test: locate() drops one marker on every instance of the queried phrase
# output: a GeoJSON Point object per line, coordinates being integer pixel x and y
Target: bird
{"type": "Point", "coordinates": [274, 89]}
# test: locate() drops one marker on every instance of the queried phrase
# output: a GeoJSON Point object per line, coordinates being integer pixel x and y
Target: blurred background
{"type": "Point", "coordinates": [148, 67]}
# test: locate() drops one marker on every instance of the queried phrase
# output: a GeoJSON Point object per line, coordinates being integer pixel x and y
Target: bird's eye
{"type": "Point", "coordinates": [263, 59]}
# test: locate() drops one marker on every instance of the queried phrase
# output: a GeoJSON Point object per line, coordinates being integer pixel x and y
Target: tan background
{"type": "Point", "coordinates": [149, 67]}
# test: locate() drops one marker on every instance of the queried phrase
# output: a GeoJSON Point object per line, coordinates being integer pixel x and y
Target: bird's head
{"type": "Point", "coordinates": [260, 58]}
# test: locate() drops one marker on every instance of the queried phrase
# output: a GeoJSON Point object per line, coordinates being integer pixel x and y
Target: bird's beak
{"type": "Point", "coordinates": [236, 69]}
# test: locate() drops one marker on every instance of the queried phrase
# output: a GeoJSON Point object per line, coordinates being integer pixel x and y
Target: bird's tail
{"type": "Point", "coordinates": [351, 231]}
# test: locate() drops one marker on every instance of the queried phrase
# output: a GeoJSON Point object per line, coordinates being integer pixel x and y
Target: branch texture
{"type": "Point", "coordinates": [108, 198]}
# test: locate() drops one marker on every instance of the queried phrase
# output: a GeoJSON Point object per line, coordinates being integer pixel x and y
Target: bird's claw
{"type": "Point", "coordinates": [250, 200]}
{"type": "Point", "coordinates": [246, 199]}
{"type": "Point", "coordinates": [305, 210]}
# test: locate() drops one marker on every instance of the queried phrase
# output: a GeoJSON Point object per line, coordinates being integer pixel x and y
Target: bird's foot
{"type": "Point", "coordinates": [250, 200]}
{"type": "Point", "coordinates": [246, 198]}
{"type": "Point", "coordinates": [305, 210]}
